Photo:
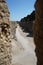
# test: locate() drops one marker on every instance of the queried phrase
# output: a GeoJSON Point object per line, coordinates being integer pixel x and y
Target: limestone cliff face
{"type": "Point", "coordinates": [4, 13]}
{"type": "Point", "coordinates": [5, 41]}
{"type": "Point", "coordinates": [38, 31]}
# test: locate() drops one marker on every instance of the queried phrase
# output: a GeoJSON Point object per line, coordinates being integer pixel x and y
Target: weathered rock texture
{"type": "Point", "coordinates": [4, 13]}
{"type": "Point", "coordinates": [5, 42]}
{"type": "Point", "coordinates": [38, 31]}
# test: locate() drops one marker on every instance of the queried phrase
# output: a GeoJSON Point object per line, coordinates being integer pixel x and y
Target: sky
{"type": "Point", "coordinates": [20, 8]}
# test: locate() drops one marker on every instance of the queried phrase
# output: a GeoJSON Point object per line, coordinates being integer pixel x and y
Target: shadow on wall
{"type": "Point", "coordinates": [38, 31]}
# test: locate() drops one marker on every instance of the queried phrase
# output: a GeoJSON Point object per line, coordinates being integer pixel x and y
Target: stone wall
{"type": "Point", "coordinates": [38, 31]}
{"type": "Point", "coordinates": [5, 41]}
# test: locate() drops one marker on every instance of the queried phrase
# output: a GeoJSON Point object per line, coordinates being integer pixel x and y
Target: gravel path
{"type": "Point", "coordinates": [23, 49]}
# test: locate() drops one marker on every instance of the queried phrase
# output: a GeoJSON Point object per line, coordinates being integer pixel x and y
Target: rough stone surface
{"type": "Point", "coordinates": [5, 41]}
{"type": "Point", "coordinates": [4, 13]}
{"type": "Point", "coordinates": [38, 31]}
{"type": "Point", "coordinates": [2, 0]}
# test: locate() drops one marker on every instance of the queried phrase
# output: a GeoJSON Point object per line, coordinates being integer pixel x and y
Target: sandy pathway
{"type": "Point", "coordinates": [23, 49]}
